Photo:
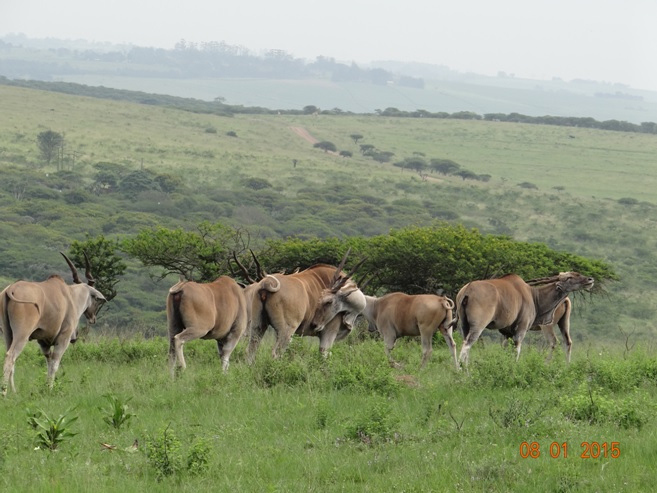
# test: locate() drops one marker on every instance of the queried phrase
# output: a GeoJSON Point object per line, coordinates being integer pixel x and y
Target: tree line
{"type": "Point", "coordinates": [436, 259]}
{"type": "Point", "coordinates": [218, 107]}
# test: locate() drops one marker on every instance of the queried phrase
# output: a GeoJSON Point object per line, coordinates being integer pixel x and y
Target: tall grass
{"type": "Point", "coordinates": [346, 423]}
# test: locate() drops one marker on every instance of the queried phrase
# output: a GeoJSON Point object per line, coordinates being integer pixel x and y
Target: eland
{"type": "Point", "coordinates": [48, 312]}
{"type": "Point", "coordinates": [288, 302]}
{"type": "Point", "coordinates": [215, 310]}
{"type": "Point", "coordinates": [394, 315]}
{"type": "Point", "coordinates": [511, 305]}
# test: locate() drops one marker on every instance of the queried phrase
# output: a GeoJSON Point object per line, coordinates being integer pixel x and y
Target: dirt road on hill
{"type": "Point", "coordinates": [303, 133]}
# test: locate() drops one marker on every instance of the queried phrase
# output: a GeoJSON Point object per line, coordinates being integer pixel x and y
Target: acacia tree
{"type": "Point", "coordinates": [326, 146]}
{"type": "Point", "coordinates": [201, 254]}
{"type": "Point", "coordinates": [356, 137]}
{"type": "Point", "coordinates": [440, 258]}
{"type": "Point", "coordinates": [106, 264]}
{"type": "Point", "coordinates": [49, 142]}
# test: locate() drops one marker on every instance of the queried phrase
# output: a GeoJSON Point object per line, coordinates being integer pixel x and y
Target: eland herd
{"type": "Point", "coordinates": [321, 301]}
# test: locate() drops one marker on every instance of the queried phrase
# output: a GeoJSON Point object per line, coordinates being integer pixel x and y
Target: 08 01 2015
{"type": "Point", "coordinates": [590, 450]}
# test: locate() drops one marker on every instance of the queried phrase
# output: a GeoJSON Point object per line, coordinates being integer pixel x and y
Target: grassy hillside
{"type": "Point", "coordinates": [586, 191]}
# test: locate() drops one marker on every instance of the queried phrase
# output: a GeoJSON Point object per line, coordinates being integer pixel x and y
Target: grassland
{"type": "Point", "coordinates": [350, 423]}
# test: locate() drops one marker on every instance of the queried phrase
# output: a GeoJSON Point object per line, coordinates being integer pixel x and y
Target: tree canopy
{"type": "Point", "coordinates": [441, 258]}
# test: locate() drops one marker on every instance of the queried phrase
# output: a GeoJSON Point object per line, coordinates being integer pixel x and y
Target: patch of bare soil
{"type": "Point", "coordinates": [303, 133]}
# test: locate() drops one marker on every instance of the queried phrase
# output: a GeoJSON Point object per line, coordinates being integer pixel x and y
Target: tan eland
{"type": "Point", "coordinates": [215, 310]}
{"type": "Point", "coordinates": [510, 304]}
{"type": "Point", "coordinates": [48, 312]}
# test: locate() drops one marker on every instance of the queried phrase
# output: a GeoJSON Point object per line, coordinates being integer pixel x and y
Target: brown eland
{"type": "Point", "coordinates": [288, 302]}
{"type": "Point", "coordinates": [215, 310]}
{"type": "Point", "coordinates": [394, 315]}
{"type": "Point", "coordinates": [510, 304]}
{"type": "Point", "coordinates": [48, 312]}
{"type": "Point", "coordinates": [561, 319]}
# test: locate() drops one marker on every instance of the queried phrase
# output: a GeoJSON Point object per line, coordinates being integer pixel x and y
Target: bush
{"type": "Point", "coordinates": [379, 424]}
{"type": "Point", "coordinates": [163, 453]}
{"type": "Point", "coordinates": [592, 406]}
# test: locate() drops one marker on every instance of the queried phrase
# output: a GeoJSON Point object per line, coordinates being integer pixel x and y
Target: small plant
{"type": "Point", "coordinates": [198, 457]}
{"type": "Point", "coordinates": [163, 453]}
{"type": "Point", "coordinates": [116, 415]}
{"type": "Point", "coordinates": [378, 424]}
{"type": "Point", "coordinates": [51, 432]}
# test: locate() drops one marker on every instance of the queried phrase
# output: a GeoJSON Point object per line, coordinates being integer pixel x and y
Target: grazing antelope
{"type": "Point", "coordinates": [48, 312]}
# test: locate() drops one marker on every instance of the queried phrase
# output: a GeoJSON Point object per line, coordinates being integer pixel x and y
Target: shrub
{"type": "Point", "coordinates": [378, 424]}
{"type": "Point", "coordinates": [163, 453]}
{"type": "Point", "coordinates": [592, 406]}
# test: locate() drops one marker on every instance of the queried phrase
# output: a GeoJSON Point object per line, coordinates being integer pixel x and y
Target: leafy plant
{"type": "Point", "coordinates": [116, 415]}
{"type": "Point", "coordinates": [51, 432]}
{"type": "Point", "coordinates": [163, 453]}
{"type": "Point", "coordinates": [198, 457]}
{"type": "Point", "coordinates": [378, 424]}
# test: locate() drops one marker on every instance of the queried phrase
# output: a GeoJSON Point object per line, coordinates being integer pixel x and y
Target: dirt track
{"type": "Point", "coordinates": [303, 133]}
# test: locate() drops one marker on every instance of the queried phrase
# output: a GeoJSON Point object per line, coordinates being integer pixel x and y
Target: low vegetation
{"type": "Point", "coordinates": [348, 423]}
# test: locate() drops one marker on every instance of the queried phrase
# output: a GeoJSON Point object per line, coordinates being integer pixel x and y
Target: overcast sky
{"type": "Point", "coordinates": [605, 40]}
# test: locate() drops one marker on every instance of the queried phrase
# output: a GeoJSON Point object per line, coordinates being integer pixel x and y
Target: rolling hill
{"type": "Point", "coordinates": [587, 191]}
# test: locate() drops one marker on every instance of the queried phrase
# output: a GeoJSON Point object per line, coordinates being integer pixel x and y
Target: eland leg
{"type": "Point", "coordinates": [564, 326]}
{"type": "Point", "coordinates": [471, 338]}
{"type": "Point", "coordinates": [255, 337]}
{"type": "Point", "coordinates": [551, 339]}
{"type": "Point", "coordinates": [54, 359]}
{"type": "Point", "coordinates": [179, 340]}
{"type": "Point", "coordinates": [427, 348]}
{"type": "Point", "coordinates": [518, 338]}
{"type": "Point", "coordinates": [449, 339]}
{"type": "Point", "coordinates": [14, 351]}
{"type": "Point", "coordinates": [226, 347]}
{"type": "Point", "coordinates": [389, 339]}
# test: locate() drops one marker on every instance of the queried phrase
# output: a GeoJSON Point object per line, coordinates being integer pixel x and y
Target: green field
{"type": "Point", "coordinates": [350, 423]}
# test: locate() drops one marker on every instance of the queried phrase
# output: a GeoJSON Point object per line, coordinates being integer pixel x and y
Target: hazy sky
{"type": "Point", "coordinates": [604, 40]}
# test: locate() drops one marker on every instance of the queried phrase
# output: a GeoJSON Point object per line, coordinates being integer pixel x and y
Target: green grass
{"type": "Point", "coordinates": [302, 424]}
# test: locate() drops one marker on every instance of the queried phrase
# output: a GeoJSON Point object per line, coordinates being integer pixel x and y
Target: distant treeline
{"type": "Point", "coordinates": [219, 108]}
{"type": "Point", "coordinates": [190, 60]}
{"type": "Point", "coordinates": [562, 121]}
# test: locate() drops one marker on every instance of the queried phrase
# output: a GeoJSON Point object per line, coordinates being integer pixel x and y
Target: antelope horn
{"type": "Point", "coordinates": [87, 270]}
{"type": "Point", "coordinates": [242, 268]}
{"type": "Point", "coordinates": [260, 272]}
{"type": "Point", "coordinates": [74, 271]}
{"type": "Point", "coordinates": [356, 267]}
{"type": "Point", "coordinates": [336, 276]}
